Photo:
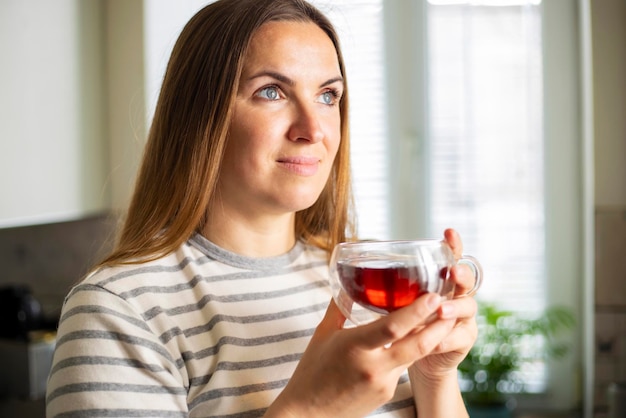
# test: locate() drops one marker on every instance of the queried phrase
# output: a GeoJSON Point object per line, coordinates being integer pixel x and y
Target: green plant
{"type": "Point", "coordinates": [507, 343]}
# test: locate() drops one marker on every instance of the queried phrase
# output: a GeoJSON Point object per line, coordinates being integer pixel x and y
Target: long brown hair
{"type": "Point", "coordinates": [187, 139]}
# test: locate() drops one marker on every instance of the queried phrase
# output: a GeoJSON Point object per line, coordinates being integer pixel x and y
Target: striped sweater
{"type": "Point", "coordinates": [201, 332]}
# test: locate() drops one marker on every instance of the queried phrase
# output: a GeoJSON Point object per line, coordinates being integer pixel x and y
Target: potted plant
{"type": "Point", "coordinates": [507, 343]}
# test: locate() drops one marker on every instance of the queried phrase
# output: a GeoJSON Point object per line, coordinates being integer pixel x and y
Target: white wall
{"type": "Point", "coordinates": [52, 154]}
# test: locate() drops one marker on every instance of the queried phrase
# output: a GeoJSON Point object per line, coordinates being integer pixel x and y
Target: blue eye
{"type": "Point", "coordinates": [330, 97]}
{"type": "Point", "coordinates": [269, 93]}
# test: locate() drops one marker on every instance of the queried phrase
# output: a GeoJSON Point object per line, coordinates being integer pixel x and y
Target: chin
{"type": "Point", "coordinates": [297, 205]}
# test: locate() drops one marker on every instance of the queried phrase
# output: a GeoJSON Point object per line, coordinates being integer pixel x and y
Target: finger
{"type": "Point", "coordinates": [461, 309]}
{"type": "Point", "coordinates": [422, 343]}
{"type": "Point", "coordinates": [398, 324]}
{"type": "Point", "coordinates": [332, 321]}
{"type": "Point", "coordinates": [463, 277]}
{"type": "Point", "coordinates": [454, 241]}
{"type": "Point", "coordinates": [460, 338]}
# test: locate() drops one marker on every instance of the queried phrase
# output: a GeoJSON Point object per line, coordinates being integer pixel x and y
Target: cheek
{"type": "Point", "coordinates": [252, 128]}
{"type": "Point", "coordinates": [334, 139]}
{"type": "Point", "coordinates": [239, 132]}
{"type": "Point", "coordinates": [245, 134]}
{"type": "Point", "coordinates": [237, 153]}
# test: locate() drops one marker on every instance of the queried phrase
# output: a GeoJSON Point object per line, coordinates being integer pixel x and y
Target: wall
{"type": "Point", "coordinates": [609, 86]}
{"type": "Point", "coordinates": [52, 134]}
{"type": "Point", "coordinates": [51, 257]}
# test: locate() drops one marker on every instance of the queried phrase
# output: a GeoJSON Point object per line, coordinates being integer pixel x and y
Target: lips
{"type": "Point", "coordinates": [301, 165]}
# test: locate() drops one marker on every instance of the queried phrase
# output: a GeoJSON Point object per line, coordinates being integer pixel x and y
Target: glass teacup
{"type": "Point", "coordinates": [370, 279]}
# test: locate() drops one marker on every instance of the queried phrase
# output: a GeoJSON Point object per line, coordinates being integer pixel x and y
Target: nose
{"type": "Point", "coordinates": [306, 124]}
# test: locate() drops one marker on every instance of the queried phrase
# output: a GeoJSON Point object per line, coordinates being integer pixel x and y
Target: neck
{"type": "Point", "coordinates": [259, 237]}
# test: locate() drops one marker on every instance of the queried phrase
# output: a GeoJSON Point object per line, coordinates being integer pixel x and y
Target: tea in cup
{"type": "Point", "coordinates": [370, 279]}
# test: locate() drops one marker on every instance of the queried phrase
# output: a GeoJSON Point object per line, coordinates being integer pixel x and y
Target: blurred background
{"type": "Point", "coordinates": [503, 119]}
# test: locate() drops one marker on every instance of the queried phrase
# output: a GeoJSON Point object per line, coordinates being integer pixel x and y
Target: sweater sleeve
{"type": "Point", "coordinates": [108, 362]}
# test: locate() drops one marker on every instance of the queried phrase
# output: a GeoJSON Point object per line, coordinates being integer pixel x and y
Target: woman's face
{"type": "Point", "coordinates": [285, 129]}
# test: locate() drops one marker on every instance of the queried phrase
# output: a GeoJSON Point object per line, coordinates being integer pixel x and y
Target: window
{"type": "Point", "coordinates": [485, 140]}
{"type": "Point", "coordinates": [464, 132]}
{"type": "Point", "coordinates": [481, 162]}
{"type": "Point", "coordinates": [485, 145]}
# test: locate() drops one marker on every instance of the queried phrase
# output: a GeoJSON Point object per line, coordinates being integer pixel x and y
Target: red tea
{"type": "Point", "coordinates": [385, 286]}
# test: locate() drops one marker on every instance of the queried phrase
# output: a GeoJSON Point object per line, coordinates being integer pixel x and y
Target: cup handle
{"type": "Point", "coordinates": [478, 273]}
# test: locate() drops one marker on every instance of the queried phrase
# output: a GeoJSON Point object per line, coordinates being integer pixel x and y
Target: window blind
{"type": "Point", "coordinates": [486, 147]}
{"type": "Point", "coordinates": [486, 142]}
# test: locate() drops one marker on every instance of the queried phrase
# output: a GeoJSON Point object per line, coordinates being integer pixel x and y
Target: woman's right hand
{"type": "Point", "coordinates": [351, 372]}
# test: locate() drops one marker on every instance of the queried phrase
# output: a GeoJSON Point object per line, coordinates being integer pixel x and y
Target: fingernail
{"type": "Point", "coordinates": [433, 300]}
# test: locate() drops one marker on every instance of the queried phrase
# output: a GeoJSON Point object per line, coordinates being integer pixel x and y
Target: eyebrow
{"type": "Point", "coordinates": [284, 79]}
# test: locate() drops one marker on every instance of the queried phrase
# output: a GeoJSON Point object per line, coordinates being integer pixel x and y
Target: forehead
{"type": "Point", "coordinates": [289, 43]}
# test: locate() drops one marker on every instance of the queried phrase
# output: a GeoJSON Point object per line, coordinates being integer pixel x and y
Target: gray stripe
{"type": "Point", "coordinates": [92, 309]}
{"type": "Point", "coordinates": [394, 406]}
{"type": "Point", "coordinates": [151, 313]}
{"type": "Point", "coordinates": [245, 275]}
{"type": "Point", "coordinates": [114, 387]}
{"type": "Point", "coordinates": [102, 360]}
{"type": "Point", "coordinates": [246, 365]}
{"type": "Point", "coordinates": [255, 318]}
{"type": "Point", "coordinates": [155, 269]}
{"type": "Point", "coordinates": [168, 335]}
{"type": "Point", "coordinates": [401, 404]}
{"type": "Point", "coordinates": [254, 274]}
{"type": "Point", "coordinates": [122, 413]}
{"type": "Point", "coordinates": [236, 391]}
{"type": "Point", "coordinates": [84, 287]}
{"type": "Point", "coordinates": [257, 274]}
{"type": "Point", "coordinates": [117, 336]}
{"type": "Point", "coordinates": [181, 287]}
{"type": "Point", "coordinates": [272, 269]}
{"type": "Point", "coordinates": [255, 413]}
{"type": "Point", "coordinates": [258, 413]}
{"type": "Point", "coordinates": [249, 342]}
{"type": "Point", "coordinates": [403, 379]}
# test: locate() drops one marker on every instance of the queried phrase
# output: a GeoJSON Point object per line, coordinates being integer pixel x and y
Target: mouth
{"type": "Point", "coordinates": [301, 165]}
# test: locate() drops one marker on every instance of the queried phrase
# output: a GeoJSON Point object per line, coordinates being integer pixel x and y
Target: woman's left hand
{"type": "Point", "coordinates": [445, 358]}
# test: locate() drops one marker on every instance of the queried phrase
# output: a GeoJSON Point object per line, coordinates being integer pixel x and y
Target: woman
{"type": "Point", "coordinates": [215, 300]}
